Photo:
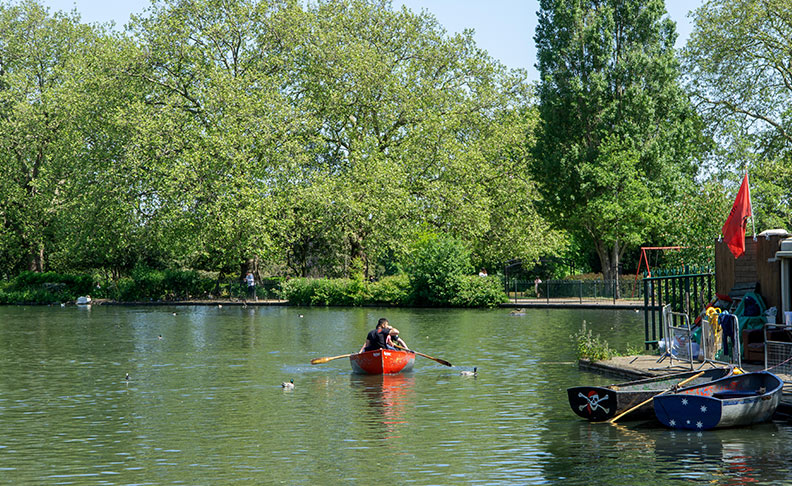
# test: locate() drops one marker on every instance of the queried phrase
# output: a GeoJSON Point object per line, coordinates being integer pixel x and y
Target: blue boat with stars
{"type": "Point", "coordinates": [744, 399]}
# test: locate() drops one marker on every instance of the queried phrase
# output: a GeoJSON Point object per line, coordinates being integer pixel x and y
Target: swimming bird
{"type": "Point", "coordinates": [469, 373]}
{"type": "Point", "coordinates": [127, 377]}
{"type": "Point", "coordinates": [288, 385]}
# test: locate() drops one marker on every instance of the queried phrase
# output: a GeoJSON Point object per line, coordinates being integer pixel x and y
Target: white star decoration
{"type": "Point", "coordinates": [699, 424]}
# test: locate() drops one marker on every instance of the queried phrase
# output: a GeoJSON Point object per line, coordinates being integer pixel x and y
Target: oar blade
{"type": "Point", "coordinates": [444, 362]}
{"type": "Point", "coordinates": [328, 358]}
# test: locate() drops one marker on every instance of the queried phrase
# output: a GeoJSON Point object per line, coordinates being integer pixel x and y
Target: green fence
{"type": "Point", "coordinates": [687, 290]}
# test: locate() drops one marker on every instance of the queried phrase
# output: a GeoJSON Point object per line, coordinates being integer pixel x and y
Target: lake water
{"type": "Point", "coordinates": [204, 404]}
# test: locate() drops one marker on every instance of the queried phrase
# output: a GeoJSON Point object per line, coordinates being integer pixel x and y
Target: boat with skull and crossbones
{"type": "Point", "coordinates": [599, 403]}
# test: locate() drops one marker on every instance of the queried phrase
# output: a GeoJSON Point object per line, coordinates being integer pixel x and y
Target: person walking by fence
{"type": "Point", "coordinates": [537, 282]}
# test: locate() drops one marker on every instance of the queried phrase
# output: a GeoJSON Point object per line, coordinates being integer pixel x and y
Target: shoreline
{"type": "Point", "coordinates": [520, 304]}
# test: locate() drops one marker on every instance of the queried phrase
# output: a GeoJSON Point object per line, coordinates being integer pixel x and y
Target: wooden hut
{"type": "Point", "coordinates": [758, 269]}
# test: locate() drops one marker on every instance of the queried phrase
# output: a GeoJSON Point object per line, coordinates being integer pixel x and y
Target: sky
{"type": "Point", "coordinates": [504, 28]}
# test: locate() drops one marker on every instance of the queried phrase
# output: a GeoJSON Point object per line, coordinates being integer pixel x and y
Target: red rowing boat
{"type": "Point", "coordinates": [382, 361]}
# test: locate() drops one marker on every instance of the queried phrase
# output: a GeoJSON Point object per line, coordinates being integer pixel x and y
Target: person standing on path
{"type": "Point", "coordinates": [250, 280]}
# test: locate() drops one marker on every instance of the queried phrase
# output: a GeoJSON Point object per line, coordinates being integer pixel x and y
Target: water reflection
{"type": "Point", "coordinates": [645, 451]}
{"type": "Point", "coordinates": [204, 404]}
{"type": "Point", "coordinates": [387, 397]}
{"type": "Point", "coordinates": [719, 453]}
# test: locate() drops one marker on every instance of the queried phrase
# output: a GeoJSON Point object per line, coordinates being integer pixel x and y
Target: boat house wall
{"type": "Point", "coordinates": [758, 265]}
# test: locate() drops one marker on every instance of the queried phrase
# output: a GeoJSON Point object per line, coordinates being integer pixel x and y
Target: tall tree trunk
{"type": "Point", "coordinates": [605, 258]}
{"type": "Point", "coordinates": [36, 259]}
{"type": "Point", "coordinates": [609, 259]}
{"type": "Point", "coordinates": [615, 271]}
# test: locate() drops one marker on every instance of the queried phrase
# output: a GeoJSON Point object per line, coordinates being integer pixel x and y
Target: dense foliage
{"type": "Point", "coordinates": [45, 288]}
{"type": "Point", "coordinates": [357, 142]}
{"type": "Point", "coordinates": [297, 140]}
{"type": "Point", "coordinates": [438, 275]}
{"type": "Point", "coordinates": [738, 71]}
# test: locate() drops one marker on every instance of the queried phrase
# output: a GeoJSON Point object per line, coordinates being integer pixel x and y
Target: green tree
{"type": "Point", "coordinates": [42, 71]}
{"type": "Point", "coordinates": [211, 134]}
{"type": "Point", "coordinates": [737, 60]}
{"type": "Point", "coordinates": [216, 126]}
{"type": "Point", "coordinates": [412, 131]}
{"type": "Point", "coordinates": [617, 133]}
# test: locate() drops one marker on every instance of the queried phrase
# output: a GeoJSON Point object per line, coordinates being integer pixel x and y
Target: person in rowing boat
{"type": "Point", "coordinates": [382, 337]}
{"type": "Point", "coordinates": [394, 339]}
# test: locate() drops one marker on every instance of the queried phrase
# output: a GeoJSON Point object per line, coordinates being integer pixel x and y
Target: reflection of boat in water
{"type": "Point", "coordinates": [382, 361]}
{"type": "Point", "coordinates": [387, 395]}
{"type": "Point", "coordinates": [648, 453]}
{"type": "Point", "coordinates": [726, 455]}
{"type": "Point", "coordinates": [744, 399]}
{"type": "Point", "coordinates": [598, 403]}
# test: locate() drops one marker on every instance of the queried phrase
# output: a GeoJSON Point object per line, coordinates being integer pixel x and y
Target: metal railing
{"type": "Point", "coordinates": [686, 290]}
{"type": "Point", "coordinates": [579, 291]}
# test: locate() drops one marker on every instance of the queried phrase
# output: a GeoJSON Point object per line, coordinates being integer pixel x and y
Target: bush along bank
{"type": "Point", "coordinates": [399, 290]}
{"type": "Point", "coordinates": [142, 285]}
{"type": "Point", "coordinates": [147, 285]}
{"type": "Point", "coordinates": [44, 288]}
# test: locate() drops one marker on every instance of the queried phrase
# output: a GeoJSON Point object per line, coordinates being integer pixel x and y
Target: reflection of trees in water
{"type": "Point", "coordinates": [647, 453]}
{"type": "Point", "coordinates": [387, 397]}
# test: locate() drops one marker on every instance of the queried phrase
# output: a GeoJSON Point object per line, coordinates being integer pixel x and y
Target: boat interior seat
{"type": "Point", "coordinates": [730, 394]}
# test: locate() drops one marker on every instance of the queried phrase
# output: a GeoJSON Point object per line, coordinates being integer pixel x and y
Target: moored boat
{"type": "Point", "coordinates": [598, 403]}
{"type": "Point", "coordinates": [382, 361]}
{"type": "Point", "coordinates": [744, 399]}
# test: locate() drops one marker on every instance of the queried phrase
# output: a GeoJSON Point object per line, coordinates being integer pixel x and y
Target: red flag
{"type": "Point", "coordinates": [734, 228]}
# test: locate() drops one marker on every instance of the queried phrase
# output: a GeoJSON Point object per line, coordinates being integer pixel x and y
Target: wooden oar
{"type": "Point", "coordinates": [329, 358]}
{"type": "Point", "coordinates": [683, 382]}
{"type": "Point", "coordinates": [441, 361]}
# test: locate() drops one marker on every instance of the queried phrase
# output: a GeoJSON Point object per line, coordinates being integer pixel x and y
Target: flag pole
{"type": "Point", "coordinates": [753, 226]}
